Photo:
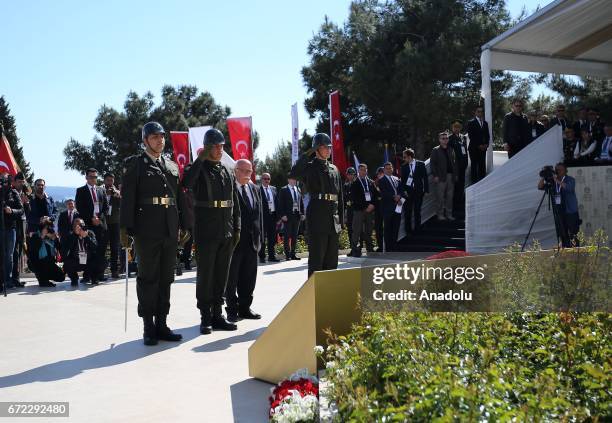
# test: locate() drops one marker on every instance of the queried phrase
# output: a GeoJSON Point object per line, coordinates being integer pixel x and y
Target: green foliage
{"type": "Point", "coordinates": [119, 133]}
{"type": "Point", "coordinates": [473, 367]}
{"type": "Point", "coordinates": [278, 164]}
{"type": "Point", "coordinates": [579, 92]}
{"type": "Point", "coordinates": [10, 132]}
{"type": "Point", "coordinates": [404, 69]}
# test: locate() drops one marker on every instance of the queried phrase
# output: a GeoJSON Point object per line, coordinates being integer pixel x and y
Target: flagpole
{"type": "Point", "coordinates": [331, 125]}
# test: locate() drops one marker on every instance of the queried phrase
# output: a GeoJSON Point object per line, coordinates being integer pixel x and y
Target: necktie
{"type": "Point", "coordinates": [70, 217]}
{"type": "Point", "coordinates": [268, 194]}
{"type": "Point", "coordinates": [159, 165]}
{"type": "Point", "coordinates": [93, 195]}
{"type": "Point", "coordinates": [293, 194]}
{"type": "Point", "coordinates": [365, 185]}
{"type": "Point", "coordinates": [246, 197]}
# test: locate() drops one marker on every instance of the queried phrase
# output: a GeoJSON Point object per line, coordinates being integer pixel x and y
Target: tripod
{"type": "Point", "coordinates": [548, 190]}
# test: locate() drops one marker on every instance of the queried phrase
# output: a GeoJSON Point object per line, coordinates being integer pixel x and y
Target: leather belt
{"type": "Point", "coordinates": [158, 201]}
{"type": "Point", "coordinates": [328, 197]}
{"type": "Point", "coordinates": [215, 204]}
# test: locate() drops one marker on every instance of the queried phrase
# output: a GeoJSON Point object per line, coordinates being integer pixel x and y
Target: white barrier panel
{"type": "Point", "coordinates": [501, 207]}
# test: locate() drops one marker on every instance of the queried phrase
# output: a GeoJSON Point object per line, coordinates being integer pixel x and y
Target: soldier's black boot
{"type": "Point", "coordinates": [150, 334]}
{"type": "Point", "coordinates": [219, 322]}
{"type": "Point", "coordinates": [232, 314]}
{"type": "Point", "coordinates": [164, 332]}
{"type": "Point", "coordinates": [205, 322]}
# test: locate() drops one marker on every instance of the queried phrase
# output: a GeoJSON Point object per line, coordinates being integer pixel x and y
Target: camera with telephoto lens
{"type": "Point", "coordinates": [548, 174]}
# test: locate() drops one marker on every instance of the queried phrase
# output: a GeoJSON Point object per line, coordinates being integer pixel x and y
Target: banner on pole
{"type": "Point", "coordinates": [295, 135]}
{"type": "Point", "coordinates": [335, 119]}
{"type": "Point", "coordinates": [180, 149]}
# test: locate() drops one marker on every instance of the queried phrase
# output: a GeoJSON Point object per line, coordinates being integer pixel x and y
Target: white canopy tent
{"type": "Point", "coordinates": [571, 37]}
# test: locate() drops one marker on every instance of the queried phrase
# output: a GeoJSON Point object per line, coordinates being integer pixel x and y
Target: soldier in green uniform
{"type": "Point", "coordinates": [216, 230]}
{"type": "Point", "coordinates": [323, 215]}
{"type": "Point", "coordinates": [150, 213]}
{"type": "Point", "coordinates": [348, 203]}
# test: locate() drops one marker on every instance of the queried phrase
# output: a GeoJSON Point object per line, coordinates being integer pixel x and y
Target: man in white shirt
{"type": "Point", "coordinates": [270, 217]}
{"type": "Point", "coordinates": [605, 155]}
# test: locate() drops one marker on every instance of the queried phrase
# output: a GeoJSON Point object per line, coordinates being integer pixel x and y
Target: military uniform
{"type": "Point", "coordinates": [150, 213]}
{"type": "Point", "coordinates": [323, 215]}
{"type": "Point", "coordinates": [216, 229]}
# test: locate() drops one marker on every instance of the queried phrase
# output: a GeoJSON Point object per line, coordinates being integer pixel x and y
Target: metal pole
{"type": "Point", "coordinates": [127, 276]}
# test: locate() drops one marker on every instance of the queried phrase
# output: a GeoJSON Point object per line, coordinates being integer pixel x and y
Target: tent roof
{"type": "Point", "coordinates": [565, 37]}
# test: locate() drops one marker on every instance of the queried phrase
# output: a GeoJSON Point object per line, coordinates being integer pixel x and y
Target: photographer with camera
{"type": "Point", "coordinates": [13, 210]}
{"type": "Point", "coordinates": [79, 253]}
{"type": "Point", "coordinates": [42, 253]}
{"type": "Point", "coordinates": [113, 198]}
{"type": "Point", "coordinates": [41, 205]}
{"type": "Point", "coordinates": [562, 187]}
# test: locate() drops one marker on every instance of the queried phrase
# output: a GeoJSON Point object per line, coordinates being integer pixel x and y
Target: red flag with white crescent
{"type": "Point", "coordinates": [7, 160]}
{"type": "Point", "coordinates": [240, 130]}
{"type": "Point", "coordinates": [335, 119]}
{"type": "Point", "coordinates": [180, 148]}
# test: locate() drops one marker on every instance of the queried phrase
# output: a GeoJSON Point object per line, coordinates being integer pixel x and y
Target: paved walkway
{"type": "Point", "coordinates": [69, 344]}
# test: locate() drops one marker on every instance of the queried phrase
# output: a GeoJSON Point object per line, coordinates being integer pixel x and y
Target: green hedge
{"type": "Point", "coordinates": [473, 367]}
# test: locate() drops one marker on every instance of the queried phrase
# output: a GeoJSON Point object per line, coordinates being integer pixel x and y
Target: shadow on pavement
{"type": "Point", "coordinates": [250, 401]}
{"type": "Point", "coordinates": [119, 354]}
{"type": "Point", "coordinates": [226, 343]}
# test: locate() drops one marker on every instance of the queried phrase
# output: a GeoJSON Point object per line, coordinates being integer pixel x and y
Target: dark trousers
{"type": "Point", "coordinates": [114, 244]}
{"type": "Point", "coordinates": [570, 225]}
{"type": "Point", "coordinates": [48, 270]}
{"type": "Point", "coordinates": [479, 165]}
{"type": "Point", "coordinates": [102, 239]}
{"type": "Point", "coordinates": [242, 277]}
{"type": "Point", "coordinates": [322, 250]}
{"type": "Point", "coordinates": [378, 227]}
{"type": "Point", "coordinates": [186, 253]}
{"type": "Point", "coordinates": [292, 228]}
{"type": "Point", "coordinates": [72, 267]}
{"type": "Point", "coordinates": [156, 264]}
{"type": "Point", "coordinates": [391, 222]}
{"type": "Point", "coordinates": [349, 221]}
{"type": "Point", "coordinates": [362, 225]}
{"type": "Point", "coordinates": [459, 194]}
{"type": "Point", "coordinates": [413, 205]}
{"type": "Point", "coordinates": [17, 253]}
{"type": "Point", "coordinates": [214, 258]}
{"type": "Point", "coordinates": [269, 236]}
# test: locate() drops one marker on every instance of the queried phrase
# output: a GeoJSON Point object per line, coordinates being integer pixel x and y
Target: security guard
{"type": "Point", "coordinates": [348, 203]}
{"type": "Point", "coordinates": [150, 213]}
{"type": "Point", "coordinates": [323, 215]}
{"type": "Point", "coordinates": [216, 230]}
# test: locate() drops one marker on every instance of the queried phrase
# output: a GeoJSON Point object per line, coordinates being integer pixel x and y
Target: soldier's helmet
{"type": "Point", "coordinates": [321, 139]}
{"type": "Point", "coordinates": [351, 171]}
{"type": "Point", "coordinates": [151, 128]}
{"type": "Point", "coordinates": [213, 137]}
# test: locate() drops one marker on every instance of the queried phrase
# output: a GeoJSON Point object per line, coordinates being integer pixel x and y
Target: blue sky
{"type": "Point", "coordinates": [63, 59]}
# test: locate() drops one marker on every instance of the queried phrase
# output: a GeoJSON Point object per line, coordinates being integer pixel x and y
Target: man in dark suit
{"type": "Point", "coordinates": [457, 141]}
{"type": "Point", "coordinates": [65, 219]}
{"type": "Point", "coordinates": [581, 123]}
{"type": "Point", "coordinates": [390, 193]}
{"type": "Point", "coordinates": [79, 251]}
{"type": "Point", "coordinates": [535, 128]}
{"type": "Point", "coordinates": [413, 188]}
{"type": "Point", "coordinates": [378, 217]}
{"type": "Point", "coordinates": [515, 129]}
{"type": "Point", "coordinates": [243, 267]}
{"type": "Point", "coordinates": [363, 197]}
{"type": "Point", "coordinates": [113, 197]}
{"type": "Point", "coordinates": [560, 118]}
{"type": "Point", "coordinates": [270, 216]}
{"type": "Point", "coordinates": [291, 212]}
{"type": "Point", "coordinates": [478, 132]}
{"type": "Point", "coordinates": [93, 207]}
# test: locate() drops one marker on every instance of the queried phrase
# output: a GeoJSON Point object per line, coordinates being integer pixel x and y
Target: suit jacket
{"type": "Point", "coordinates": [285, 202]}
{"type": "Point", "coordinates": [264, 198]}
{"type": "Point", "coordinates": [251, 219]}
{"type": "Point", "coordinates": [64, 227]}
{"type": "Point", "coordinates": [437, 163]}
{"type": "Point", "coordinates": [70, 246]}
{"type": "Point", "coordinates": [479, 135]}
{"type": "Point", "coordinates": [85, 205]}
{"type": "Point", "coordinates": [563, 123]}
{"type": "Point", "coordinates": [36, 212]}
{"type": "Point", "coordinates": [358, 194]}
{"type": "Point", "coordinates": [420, 181]}
{"type": "Point", "coordinates": [114, 209]}
{"type": "Point", "coordinates": [516, 131]}
{"type": "Point", "coordinates": [539, 130]}
{"type": "Point", "coordinates": [387, 192]}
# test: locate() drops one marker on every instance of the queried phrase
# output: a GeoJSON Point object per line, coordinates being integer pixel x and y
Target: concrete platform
{"type": "Point", "coordinates": [69, 344]}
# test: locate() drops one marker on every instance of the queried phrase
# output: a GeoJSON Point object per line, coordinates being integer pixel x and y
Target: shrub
{"type": "Point", "coordinates": [473, 367]}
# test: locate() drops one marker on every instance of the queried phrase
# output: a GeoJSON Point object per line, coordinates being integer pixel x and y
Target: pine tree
{"type": "Point", "coordinates": [10, 132]}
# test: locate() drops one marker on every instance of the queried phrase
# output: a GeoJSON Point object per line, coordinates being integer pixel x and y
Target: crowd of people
{"type": "Point", "coordinates": [56, 245]}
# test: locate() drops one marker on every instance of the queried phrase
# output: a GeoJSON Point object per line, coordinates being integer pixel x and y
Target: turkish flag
{"type": "Point", "coordinates": [7, 160]}
{"type": "Point", "coordinates": [335, 119]}
{"type": "Point", "coordinates": [180, 148]}
{"type": "Point", "coordinates": [240, 135]}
